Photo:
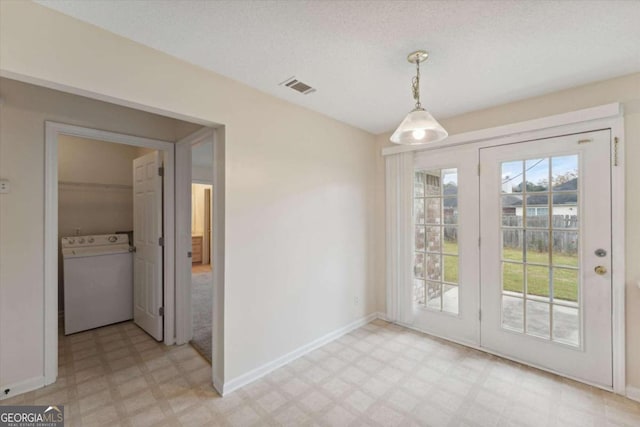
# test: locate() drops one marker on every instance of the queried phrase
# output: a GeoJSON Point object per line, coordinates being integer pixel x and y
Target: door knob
{"type": "Point", "coordinates": [601, 269]}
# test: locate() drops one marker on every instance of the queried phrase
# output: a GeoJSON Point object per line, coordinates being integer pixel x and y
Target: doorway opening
{"type": "Point", "coordinates": [201, 268]}
{"type": "Point", "coordinates": [48, 108]}
{"type": "Point", "coordinates": [110, 232]}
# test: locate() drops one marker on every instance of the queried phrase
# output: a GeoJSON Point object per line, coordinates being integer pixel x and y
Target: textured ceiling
{"type": "Point", "coordinates": [483, 53]}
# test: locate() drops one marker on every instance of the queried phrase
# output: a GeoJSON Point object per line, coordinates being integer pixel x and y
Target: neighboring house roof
{"type": "Point", "coordinates": [570, 199]}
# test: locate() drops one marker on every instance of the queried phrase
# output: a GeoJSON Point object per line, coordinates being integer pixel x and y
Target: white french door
{"type": "Point", "coordinates": [545, 222]}
{"type": "Point", "coordinates": [515, 256]}
{"type": "Point", "coordinates": [445, 245]}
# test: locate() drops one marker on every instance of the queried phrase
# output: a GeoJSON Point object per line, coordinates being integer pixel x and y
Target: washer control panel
{"type": "Point", "coordinates": [98, 240]}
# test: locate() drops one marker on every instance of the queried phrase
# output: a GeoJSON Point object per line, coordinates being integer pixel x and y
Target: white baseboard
{"type": "Point", "coordinates": [633, 393]}
{"type": "Point", "coordinates": [263, 370]}
{"type": "Point", "coordinates": [21, 387]}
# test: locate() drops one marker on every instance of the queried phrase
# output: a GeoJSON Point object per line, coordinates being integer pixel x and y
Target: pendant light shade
{"type": "Point", "coordinates": [419, 126]}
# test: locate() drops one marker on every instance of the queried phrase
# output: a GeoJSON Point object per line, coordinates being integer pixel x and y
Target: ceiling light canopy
{"type": "Point", "coordinates": [419, 127]}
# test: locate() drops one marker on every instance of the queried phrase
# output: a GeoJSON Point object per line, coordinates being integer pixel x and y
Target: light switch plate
{"type": "Point", "coordinates": [4, 186]}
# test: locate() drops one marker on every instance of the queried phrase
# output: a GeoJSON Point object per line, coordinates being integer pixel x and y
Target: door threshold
{"type": "Point", "coordinates": [512, 359]}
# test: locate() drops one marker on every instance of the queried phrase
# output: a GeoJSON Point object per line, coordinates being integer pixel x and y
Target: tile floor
{"type": "Point", "coordinates": [378, 375]}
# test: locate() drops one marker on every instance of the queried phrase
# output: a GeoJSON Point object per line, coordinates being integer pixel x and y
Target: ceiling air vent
{"type": "Point", "coordinates": [298, 86]}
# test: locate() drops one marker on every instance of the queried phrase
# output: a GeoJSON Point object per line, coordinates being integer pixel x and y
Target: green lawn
{"type": "Point", "coordinates": [565, 281]}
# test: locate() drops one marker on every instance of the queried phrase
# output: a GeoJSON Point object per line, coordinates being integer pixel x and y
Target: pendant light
{"type": "Point", "coordinates": [419, 126]}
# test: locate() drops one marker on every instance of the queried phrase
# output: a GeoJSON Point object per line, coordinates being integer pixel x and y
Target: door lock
{"type": "Point", "coordinates": [601, 270]}
{"type": "Point", "coordinates": [601, 253]}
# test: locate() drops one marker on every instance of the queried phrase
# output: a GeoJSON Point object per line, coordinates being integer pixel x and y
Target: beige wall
{"type": "Point", "coordinates": [299, 189]}
{"type": "Point", "coordinates": [624, 89]}
{"type": "Point", "coordinates": [22, 118]}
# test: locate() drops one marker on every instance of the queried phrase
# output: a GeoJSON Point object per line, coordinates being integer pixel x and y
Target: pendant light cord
{"type": "Point", "coordinates": [415, 85]}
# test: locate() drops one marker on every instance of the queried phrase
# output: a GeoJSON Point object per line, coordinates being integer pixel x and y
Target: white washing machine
{"type": "Point", "coordinates": [98, 281]}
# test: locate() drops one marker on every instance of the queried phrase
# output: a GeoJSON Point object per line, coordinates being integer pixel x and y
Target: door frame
{"type": "Point", "coordinates": [52, 131]}
{"type": "Point", "coordinates": [184, 321]}
{"type": "Point", "coordinates": [217, 244]}
{"type": "Point", "coordinates": [609, 116]}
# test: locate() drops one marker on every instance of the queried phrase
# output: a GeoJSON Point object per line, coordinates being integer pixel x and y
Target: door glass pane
{"type": "Point", "coordinates": [566, 325]}
{"type": "Point", "coordinates": [436, 203]}
{"type": "Point", "coordinates": [433, 185]}
{"type": "Point", "coordinates": [540, 247]}
{"type": "Point", "coordinates": [537, 210]}
{"type": "Point", "coordinates": [450, 210]}
{"type": "Point", "coordinates": [418, 266]}
{"type": "Point", "coordinates": [419, 291]}
{"type": "Point", "coordinates": [565, 248]}
{"type": "Point", "coordinates": [537, 281]}
{"type": "Point", "coordinates": [512, 313]}
{"type": "Point", "coordinates": [418, 185]}
{"type": "Point", "coordinates": [420, 238]}
{"type": "Point", "coordinates": [537, 175]}
{"type": "Point", "coordinates": [451, 239]}
{"type": "Point", "coordinates": [565, 173]}
{"type": "Point", "coordinates": [418, 210]}
{"type": "Point", "coordinates": [512, 177]}
{"type": "Point", "coordinates": [537, 246]}
{"type": "Point", "coordinates": [512, 244]}
{"type": "Point", "coordinates": [434, 294]}
{"type": "Point", "coordinates": [565, 285]}
{"type": "Point", "coordinates": [450, 298]}
{"type": "Point", "coordinates": [433, 210]}
{"type": "Point", "coordinates": [513, 277]}
{"type": "Point", "coordinates": [565, 211]}
{"type": "Point", "coordinates": [434, 243]}
{"type": "Point", "coordinates": [450, 182]}
{"type": "Point", "coordinates": [512, 211]}
{"type": "Point", "coordinates": [450, 268]}
{"type": "Point", "coordinates": [434, 267]}
{"type": "Point", "coordinates": [538, 319]}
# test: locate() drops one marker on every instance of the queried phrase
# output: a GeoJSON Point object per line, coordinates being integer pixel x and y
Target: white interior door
{"type": "Point", "coordinates": [445, 243]}
{"type": "Point", "coordinates": [147, 235]}
{"type": "Point", "coordinates": [545, 221]}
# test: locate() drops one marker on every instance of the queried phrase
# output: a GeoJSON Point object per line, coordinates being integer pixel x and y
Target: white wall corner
{"type": "Point", "coordinates": [265, 369]}
{"type": "Point", "coordinates": [218, 385]}
{"type": "Point", "coordinates": [633, 393]}
{"type": "Point", "coordinates": [383, 316]}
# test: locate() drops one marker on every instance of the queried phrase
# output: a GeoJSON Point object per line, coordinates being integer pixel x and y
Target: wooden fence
{"type": "Point", "coordinates": [538, 240]}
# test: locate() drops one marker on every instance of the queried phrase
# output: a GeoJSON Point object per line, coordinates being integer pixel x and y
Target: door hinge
{"type": "Point", "coordinates": [189, 254]}
{"type": "Point", "coordinates": [479, 241]}
{"type": "Point", "coordinates": [161, 171]}
{"type": "Point", "coordinates": [479, 314]}
{"type": "Point", "coordinates": [615, 151]}
{"type": "Point", "coordinates": [161, 241]}
{"type": "Point", "coordinates": [161, 311]}
{"type": "Point", "coordinates": [478, 169]}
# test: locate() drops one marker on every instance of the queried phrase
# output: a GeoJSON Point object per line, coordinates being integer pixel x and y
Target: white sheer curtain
{"type": "Point", "coordinates": [400, 235]}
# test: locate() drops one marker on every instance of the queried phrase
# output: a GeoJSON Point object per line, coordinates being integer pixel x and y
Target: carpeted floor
{"type": "Point", "coordinates": [201, 311]}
